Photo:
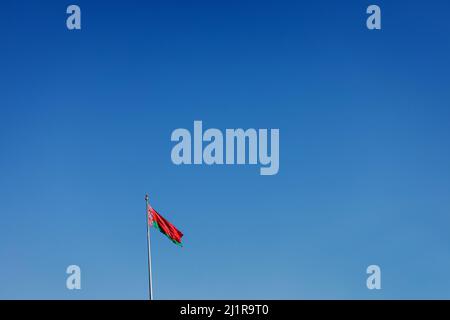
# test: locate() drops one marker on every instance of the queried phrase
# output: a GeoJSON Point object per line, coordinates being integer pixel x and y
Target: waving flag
{"type": "Point", "coordinates": [158, 221]}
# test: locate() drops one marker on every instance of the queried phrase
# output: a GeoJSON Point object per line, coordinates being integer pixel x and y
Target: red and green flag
{"type": "Point", "coordinates": [164, 226]}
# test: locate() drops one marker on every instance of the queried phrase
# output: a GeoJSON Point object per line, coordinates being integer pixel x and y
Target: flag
{"type": "Point", "coordinates": [155, 219]}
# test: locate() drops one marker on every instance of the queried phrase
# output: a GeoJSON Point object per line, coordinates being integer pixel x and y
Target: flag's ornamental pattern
{"type": "Point", "coordinates": [156, 220]}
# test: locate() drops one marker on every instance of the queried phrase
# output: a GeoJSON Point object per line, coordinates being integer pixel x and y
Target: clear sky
{"type": "Point", "coordinates": [85, 124]}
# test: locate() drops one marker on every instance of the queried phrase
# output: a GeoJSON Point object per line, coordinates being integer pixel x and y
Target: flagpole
{"type": "Point", "coordinates": [150, 287]}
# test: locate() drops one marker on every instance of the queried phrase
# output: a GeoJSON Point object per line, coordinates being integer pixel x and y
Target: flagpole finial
{"type": "Point", "coordinates": [146, 197]}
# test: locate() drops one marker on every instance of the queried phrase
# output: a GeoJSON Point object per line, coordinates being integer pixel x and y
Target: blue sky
{"type": "Point", "coordinates": [85, 124]}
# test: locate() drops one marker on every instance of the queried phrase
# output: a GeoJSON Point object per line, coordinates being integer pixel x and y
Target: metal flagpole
{"type": "Point", "coordinates": [150, 288]}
